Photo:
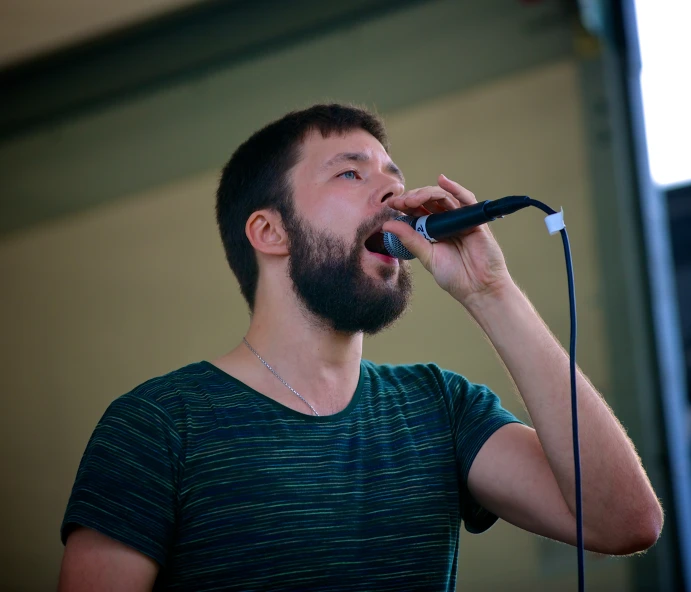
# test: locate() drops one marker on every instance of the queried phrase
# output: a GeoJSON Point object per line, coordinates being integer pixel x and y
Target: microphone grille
{"type": "Point", "coordinates": [394, 246]}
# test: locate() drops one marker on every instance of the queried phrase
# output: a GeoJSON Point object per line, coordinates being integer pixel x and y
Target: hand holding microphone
{"type": "Point", "coordinates": [472, 266]}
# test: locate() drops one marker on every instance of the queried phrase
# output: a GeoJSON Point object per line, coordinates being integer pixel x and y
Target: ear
{"type": "Point", "coordinates": [264, 230]}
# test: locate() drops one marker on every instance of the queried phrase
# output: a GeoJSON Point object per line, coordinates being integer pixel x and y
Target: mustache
{"type": "Point", "coordinates": [368, 227]}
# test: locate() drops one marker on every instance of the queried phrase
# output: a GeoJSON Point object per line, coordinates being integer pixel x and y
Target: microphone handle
{"type": "Point", "coordinates": [436, 227]}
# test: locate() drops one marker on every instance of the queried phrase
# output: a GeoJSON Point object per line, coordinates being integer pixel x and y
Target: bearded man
{"type": "Point", "coordinates": [290, 463]}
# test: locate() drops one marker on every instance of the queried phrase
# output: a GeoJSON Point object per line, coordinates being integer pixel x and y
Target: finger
{"type": "Point", "coordinates": [434, 207]}
{"type": "Point", "coordinates": [419, 197]}
{"type": "Point", "coordinates": [422, 211]}
{"type": "Point", "coordinates": [438, 197]}
{"type": "Point", "coordinates": [411, 240]}
{"type": "Point", "coordinates": [465, 196]}
{"type": "Point", "coordinates": [422, 193]}
{"type": "Point", "coordinates": [425, 210]}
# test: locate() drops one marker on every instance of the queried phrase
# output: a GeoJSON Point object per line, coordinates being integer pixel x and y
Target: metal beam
{"type": "Point", "coordinates": [637, 376]}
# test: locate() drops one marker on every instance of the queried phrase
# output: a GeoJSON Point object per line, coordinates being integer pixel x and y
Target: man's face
{"type": "Point", "coordinates": [340, 188]}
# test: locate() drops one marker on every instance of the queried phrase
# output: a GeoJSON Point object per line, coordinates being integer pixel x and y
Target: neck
{"type": "Point", "coordinates": [294, 337]}
{"type": "Point", "coordinates": [323, 365]}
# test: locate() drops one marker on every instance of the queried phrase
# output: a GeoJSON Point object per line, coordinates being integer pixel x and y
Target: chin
{"type": "Point", "coordinates": [385, 267]}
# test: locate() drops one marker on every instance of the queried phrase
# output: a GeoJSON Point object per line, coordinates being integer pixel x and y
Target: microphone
{"type": "Point", "coordinates": [436, 227]}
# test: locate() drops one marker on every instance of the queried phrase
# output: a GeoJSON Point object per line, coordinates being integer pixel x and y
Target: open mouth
{"type": "Point", "coordinates": [375, 244]}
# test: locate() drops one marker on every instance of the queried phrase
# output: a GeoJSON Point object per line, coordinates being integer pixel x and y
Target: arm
{"type": "Point", "coordinates": [621, 513]}
{"type": "Point", "coordinates": [93, 561]}
{"type": "Point", "coordinates": [522, 475]}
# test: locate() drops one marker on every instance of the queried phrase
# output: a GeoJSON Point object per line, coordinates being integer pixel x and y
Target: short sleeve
{"type": "Point", "coordinates": [476, 413]}
{"type": "Point", "coordinates": [127, 482]}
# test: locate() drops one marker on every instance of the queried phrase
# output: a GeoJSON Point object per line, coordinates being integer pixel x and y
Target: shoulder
{"type": "Point", "coordinates": [415, 376]}
{"type": "Point", "coordinates": [165, 399]}
{"type": "Point", "coordinates": [424, 380]}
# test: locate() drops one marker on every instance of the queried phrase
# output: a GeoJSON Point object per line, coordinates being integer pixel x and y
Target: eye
{"type": "Point", "coordinates": [350, 175]}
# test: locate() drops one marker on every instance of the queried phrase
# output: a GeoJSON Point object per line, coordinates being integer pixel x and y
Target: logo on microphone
{"type": "Point", "coordinates": [421, 227]}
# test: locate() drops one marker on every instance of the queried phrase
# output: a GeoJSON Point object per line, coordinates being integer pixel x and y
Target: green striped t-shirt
{"type": "Point", "coordinates": [229, 490]}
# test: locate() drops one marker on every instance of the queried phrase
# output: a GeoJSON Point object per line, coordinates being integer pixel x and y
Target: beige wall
{"type": "Point", "coordinates": [93, 304]}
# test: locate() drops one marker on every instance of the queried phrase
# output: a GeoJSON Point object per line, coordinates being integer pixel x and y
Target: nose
{"type": "Point", "coordinates": [392, 189]}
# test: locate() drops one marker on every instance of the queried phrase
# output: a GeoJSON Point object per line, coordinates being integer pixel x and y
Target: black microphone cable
{"type": "Point", "coordinates": [574, 399]}
{"type": "Point", "coordinates": [444, 225]}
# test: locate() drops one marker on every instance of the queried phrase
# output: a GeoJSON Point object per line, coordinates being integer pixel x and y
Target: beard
{"type": "Point", "coordinates": [330, 282]}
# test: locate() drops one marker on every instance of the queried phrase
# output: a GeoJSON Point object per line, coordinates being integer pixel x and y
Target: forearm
{"type": "Point", "coordinates": [616, 490]}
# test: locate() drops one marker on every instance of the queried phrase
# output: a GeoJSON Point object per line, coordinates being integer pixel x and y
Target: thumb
{"type": "Point", "coordinates": [411, 240]}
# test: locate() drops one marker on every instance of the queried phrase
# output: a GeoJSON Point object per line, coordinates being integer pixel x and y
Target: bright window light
{"type": "Point", "coordinates": [664, 30]}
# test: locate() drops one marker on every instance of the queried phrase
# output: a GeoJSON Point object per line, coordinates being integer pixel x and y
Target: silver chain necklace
{"type": "Point", "coordinates": [277, 375]}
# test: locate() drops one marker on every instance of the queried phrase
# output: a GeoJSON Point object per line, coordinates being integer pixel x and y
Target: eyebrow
{"type": "Point", "coordinates": [361, 157]}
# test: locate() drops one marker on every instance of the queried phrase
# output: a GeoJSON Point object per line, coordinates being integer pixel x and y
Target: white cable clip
{"type": "Point", "coordinates": [555, 222]}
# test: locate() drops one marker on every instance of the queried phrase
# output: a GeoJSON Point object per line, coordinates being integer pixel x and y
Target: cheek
{"type": "Point", "coordinates": [333, 211]}
{"type": "Point", "coordinates": [339, 221]}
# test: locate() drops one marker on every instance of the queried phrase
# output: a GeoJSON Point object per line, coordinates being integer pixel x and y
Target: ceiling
{"type": "Point", "coordinates": [32, 27]}
{"type": "Point", "coordinates": [171, 99]}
